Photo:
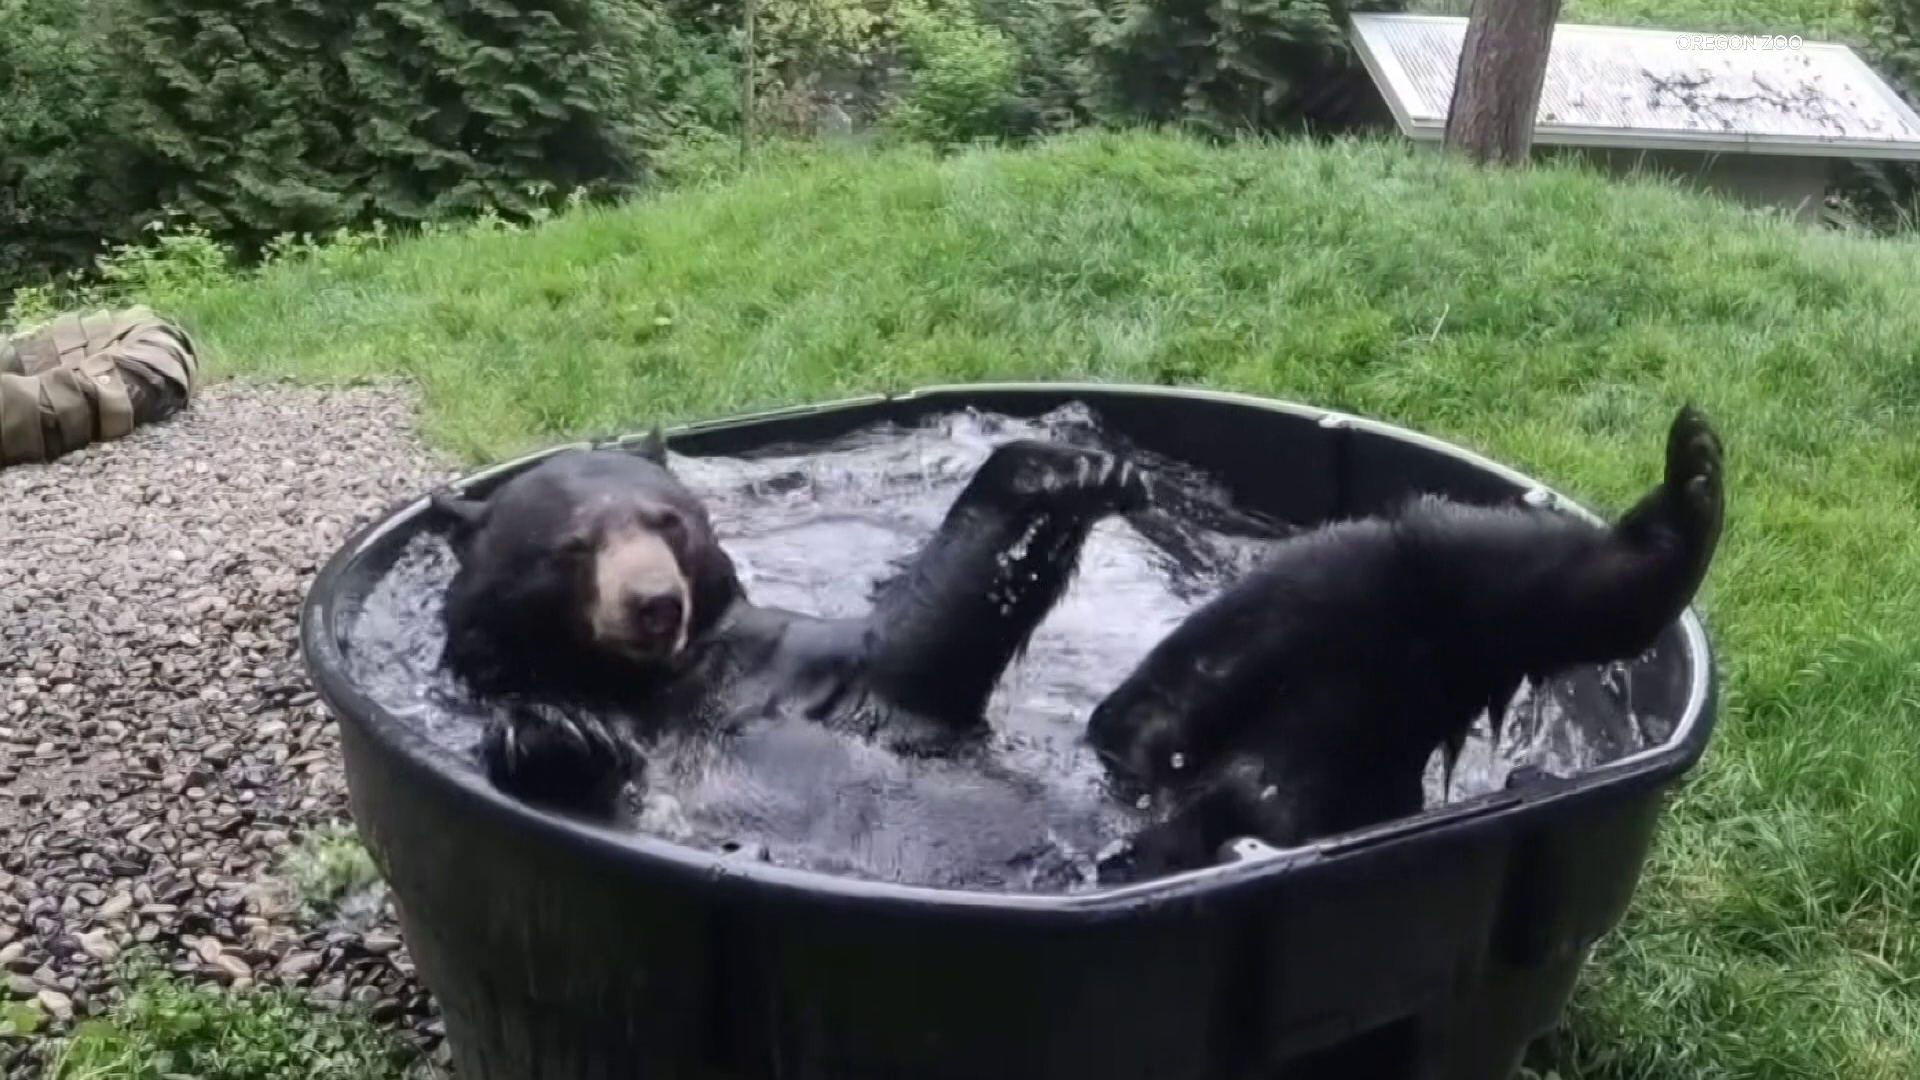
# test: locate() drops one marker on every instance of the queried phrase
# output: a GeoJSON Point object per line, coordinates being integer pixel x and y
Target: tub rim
{"type": "Point", "coordinates": [424, 761]}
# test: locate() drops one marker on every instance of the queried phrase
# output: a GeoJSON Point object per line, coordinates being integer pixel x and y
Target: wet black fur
{"type": "Point", "coordinates": [1307, 698]}
{"type": "Point", "coordinates": [915, 672]}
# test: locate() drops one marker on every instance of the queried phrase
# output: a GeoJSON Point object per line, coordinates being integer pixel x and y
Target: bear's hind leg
{"type": "Point", "coordinates": [553, 757]}
{"type": "Point", "coordinates": [1552, 593]}
{"type": "Point", "coordinates": [1675, 528]}
{"type": "Point", "coordinates": [945, 629]}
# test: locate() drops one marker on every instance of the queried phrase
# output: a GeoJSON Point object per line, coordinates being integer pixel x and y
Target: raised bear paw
{"type": "Point", "coordinates": [545, 755]}
{"type": "Point", "coordinates": [1694, 471]}
{"type": "Point", "coordinates": [1054, 470]}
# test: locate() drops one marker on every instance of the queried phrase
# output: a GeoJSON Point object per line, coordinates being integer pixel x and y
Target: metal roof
{"type": "Point", "coordinates": [1646, 89]}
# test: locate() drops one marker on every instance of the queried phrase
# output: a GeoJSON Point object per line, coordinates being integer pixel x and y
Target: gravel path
{"type": "Point", "coordinates": [159, 743]}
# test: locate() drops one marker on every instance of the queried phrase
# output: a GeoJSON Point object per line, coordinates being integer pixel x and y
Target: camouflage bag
{"type": "Point", "coordinates": [82, 379]}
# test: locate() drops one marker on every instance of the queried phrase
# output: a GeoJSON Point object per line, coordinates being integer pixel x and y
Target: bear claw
{"type": "Point", "coordinates": [1694, 463]}
{"type": "Point", "coordinates": [1693, 447]}
{"type": "Point", "coordinates": [541, 752]}
{"type": "Point", "coordinates": [1057, 469]}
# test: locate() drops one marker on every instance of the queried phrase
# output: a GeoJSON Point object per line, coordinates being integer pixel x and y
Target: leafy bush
{"type": "Point", "coordinates": [814, 55]}
{"type": "Point", "coordinates": [816, 35]}
{"type": "Point", "coordinates": [805, 53]}
{"type": "Point", "coordinates": [308, 116]}
{"type": "Point", "coordinates": [963, 76]}
{"type": "Point", "coordinates": [64, 175]}
{"type": "Point", "coordinates": [942, 71]}
{"type": "Point", "coordinates": [1228, 66]}
{"type": "Point", "coordinates": [326, 865]}
{"type": "Point", "coordinates": [174, 259]}
{"type": "Point", "coordinates": [1886, 194]}
{"type": "Point", "coordinates": [1055, 80]}
{"type": "Point", "coordinates": [699, 85]}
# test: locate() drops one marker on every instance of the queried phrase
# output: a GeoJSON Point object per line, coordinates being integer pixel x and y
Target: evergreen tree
{"type": "Point", "coordinates": [240, 109]}
{"type": "Point", "coordinates": [66, 184]}
{"type": "Point", "coordinates": [271, 116]}
{"type": "Point", "coordinates": [1230, 66]}
{"type": "Point", "coordinates": [1886, 194]}
{"type": "Point", "coordinates": [469, 104]}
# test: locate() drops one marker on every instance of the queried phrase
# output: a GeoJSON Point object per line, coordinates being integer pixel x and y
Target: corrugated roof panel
{"type": "Point", "coordinates": [1632, 87]}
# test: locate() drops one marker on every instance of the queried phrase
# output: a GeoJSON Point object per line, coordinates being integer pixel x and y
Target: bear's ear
{"type": "Point", "coordinates": [462, 516]}
{"type": "Point", "coordinates": [652, 446]}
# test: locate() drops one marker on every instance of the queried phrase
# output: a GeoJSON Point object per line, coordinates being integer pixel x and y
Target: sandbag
{"type": "Point", "coordinates": [82, 379]}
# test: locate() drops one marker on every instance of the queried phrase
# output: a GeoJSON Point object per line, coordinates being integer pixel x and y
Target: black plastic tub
{"type": "Point", "coordinates": [1436, 947]}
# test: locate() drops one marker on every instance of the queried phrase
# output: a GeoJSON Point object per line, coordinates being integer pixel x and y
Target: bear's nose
{"type": "Point", "coordinates": [655, 615]}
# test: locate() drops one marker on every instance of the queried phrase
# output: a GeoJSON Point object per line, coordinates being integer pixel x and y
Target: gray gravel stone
{"type": "Point", "coordinates": [160, 745]}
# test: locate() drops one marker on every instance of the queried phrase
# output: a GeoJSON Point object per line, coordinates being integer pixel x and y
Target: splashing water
{"type": "Point", "coordinates": [813, 529]}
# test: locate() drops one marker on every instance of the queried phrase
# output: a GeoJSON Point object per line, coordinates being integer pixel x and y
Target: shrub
{"type": "Point", "coordinates": [1055, 81]}
{"type": "Point", "coordinates": [978, 68]}
{"type": "Point", "coordinates": [174, 260]}
{"type": "Point", "coordinates": [307, 116]}
{"type": "Point", "coordinates": [1228, 66]}
{"type": "Point", "coordinates": [699, 85]}
{"type": "Point", "coordinates": [1893, 39]}
{"type": "Point", "coordinates": [170, 1029]}
{"type": "Point", "coordinates": [809, 54]}
{"type": "Point", "coordinates": [805, 51]}
{"type": "Point", "coordinates": [327, 865]}
{"type": "Point", "coordinates": [963, 76]}
{"type": "Point", "coordinates": [1886, 194]}
{"type": "Point", "coordinates": [64, 172]}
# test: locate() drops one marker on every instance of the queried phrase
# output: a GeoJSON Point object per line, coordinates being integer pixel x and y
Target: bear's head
{"type": "Point", "coordinates": [589, 566]}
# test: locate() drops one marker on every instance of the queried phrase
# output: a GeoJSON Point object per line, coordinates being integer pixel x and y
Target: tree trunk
{"type": "Point", "coordinates": [1496, 90]}
{"type": "Point", "coordinates": [749, 72]}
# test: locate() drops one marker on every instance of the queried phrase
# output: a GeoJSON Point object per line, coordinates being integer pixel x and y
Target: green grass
{"type": "Point", "coordinates": [1548, 318]}
{"type": "Point", "coordinates": [1817, 20]}
{"type": "Point", "coordinates": [325, 865]}
{"type": "Point", "coordinates": [169, 1030]}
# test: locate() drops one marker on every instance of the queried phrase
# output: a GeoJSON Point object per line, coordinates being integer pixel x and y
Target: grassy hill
{"type": "Point", "coordinates": [1823, 20]}
{"type": "Point", "coordinates": [1549, 318]}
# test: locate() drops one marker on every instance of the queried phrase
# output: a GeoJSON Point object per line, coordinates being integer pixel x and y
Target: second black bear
{"type": "Point", "coordinates": [593, 601]}
{"type": "Point", "coordinates": [1307, 698]}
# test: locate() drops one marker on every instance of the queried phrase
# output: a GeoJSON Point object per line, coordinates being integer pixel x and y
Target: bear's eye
{"type": "Point", "coordinates": [672, 528]}
{"type": "Point", "coordinates": [575, 545]}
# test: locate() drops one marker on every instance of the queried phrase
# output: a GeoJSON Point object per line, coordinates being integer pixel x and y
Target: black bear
{"type": "Point", "coordinates": [1307, 698]}
{"type": "Point", "coordinates": [592, 599]}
